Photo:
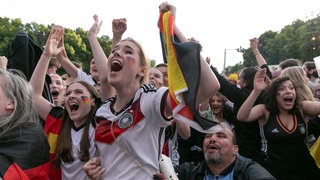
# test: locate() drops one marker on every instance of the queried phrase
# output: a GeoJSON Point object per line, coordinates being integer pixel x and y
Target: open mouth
{"type": "Point", "coordinates": [288, 99]}
{"type": "Point", "coordinates": [213, 147]}
{"type": "Point", "coordinates": [73, 107]}
{"type": "Point", "coordinates": [116, 66]}
{"type": "Point", "coordinates": [215, 107]}
{"type": "Point", "coordinates": [54, 93]}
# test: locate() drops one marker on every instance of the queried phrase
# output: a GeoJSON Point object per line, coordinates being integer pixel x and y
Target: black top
{"type": "Point", "coordinates": [247, 133]}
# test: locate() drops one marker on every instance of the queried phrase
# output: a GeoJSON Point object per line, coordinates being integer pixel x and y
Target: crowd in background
{"type": "Point", "coordinates": [115, 121]}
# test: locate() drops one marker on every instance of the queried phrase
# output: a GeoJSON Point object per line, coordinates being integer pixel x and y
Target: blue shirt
{"type": "Point", "coordinates": [227, 174]}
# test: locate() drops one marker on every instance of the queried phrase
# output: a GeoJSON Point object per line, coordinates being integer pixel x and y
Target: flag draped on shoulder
{"type": "Point", "coordinates": [184, 69]}
{"type": "Point", "coordinates": [24, 153]}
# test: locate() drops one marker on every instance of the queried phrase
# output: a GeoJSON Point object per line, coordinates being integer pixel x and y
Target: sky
{"type": "Point", "coordinates": [217, 25]}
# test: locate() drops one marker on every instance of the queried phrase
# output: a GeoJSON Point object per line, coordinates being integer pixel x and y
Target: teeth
{"type": "Point", "coordinates": [115, 61]}
{"type": "Point", "coordinates": [71, 104]}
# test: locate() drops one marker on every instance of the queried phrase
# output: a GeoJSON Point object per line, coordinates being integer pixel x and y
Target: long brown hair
{"type": "Point", "coordinates": [64, 147]}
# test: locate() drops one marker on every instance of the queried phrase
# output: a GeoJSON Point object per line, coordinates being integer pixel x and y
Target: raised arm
{"type": "Point", "coordinates": [310, 108]}
{"type": "Point", "coordinates": [100, 59]}
{"type": "Point", "coordinates": [247, 111]}
{"type": "Point", "coordinates": [3, 62]}
{"type": "Point", "coordinates": [43, 106]}
{"type": "Point", "coordinates": [183, 129]}
{"type": "Point", "coordinates": [119, 26]}
{"type": "Point", "coordinates": [262, 63]}
{"type": "Point", "coordinates": [209, 84]}
{"type": "Point", "coordinates": [254, 47]}
{"type": "Point", "coordinates": [65, 62]}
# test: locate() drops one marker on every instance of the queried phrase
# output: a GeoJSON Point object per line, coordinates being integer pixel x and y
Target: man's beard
{"type": "Point", "coordinates": [212, 158]}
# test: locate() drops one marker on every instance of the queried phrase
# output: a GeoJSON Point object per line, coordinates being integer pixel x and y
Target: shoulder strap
{"type": "Point", "coordinates": [264, 142]}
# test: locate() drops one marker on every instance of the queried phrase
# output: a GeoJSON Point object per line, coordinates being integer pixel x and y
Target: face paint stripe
{"type": "Point", "coordinates": [130, 59]}
{"type": "Point", "coordinates": [85, 99]}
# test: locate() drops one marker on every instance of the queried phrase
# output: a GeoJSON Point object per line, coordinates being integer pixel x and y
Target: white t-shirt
{"type": "Point", "coordinates": [82, 76]}
{"type": "Point", "coordinates": [131, 147]}
{"type": "Point", "coordinates": [74, 170]}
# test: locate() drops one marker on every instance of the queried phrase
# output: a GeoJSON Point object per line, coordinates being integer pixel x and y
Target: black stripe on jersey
{"type": "Point", "coordinates": [148, 88]}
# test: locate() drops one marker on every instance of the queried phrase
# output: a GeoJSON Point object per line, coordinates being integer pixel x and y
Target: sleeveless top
{"type": "Point", "coordinates": [283, 151]}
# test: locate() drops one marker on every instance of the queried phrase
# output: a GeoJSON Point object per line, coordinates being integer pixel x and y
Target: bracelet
{"type": "Point", "coordinates": [256, 53]}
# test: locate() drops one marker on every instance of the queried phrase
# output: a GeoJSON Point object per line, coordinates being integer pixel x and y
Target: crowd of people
{"type": "Point", "coordinates": [116, 121]}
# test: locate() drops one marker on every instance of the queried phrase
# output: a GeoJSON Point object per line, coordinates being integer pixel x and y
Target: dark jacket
{"type": "Point", "coordinates": [244, 168]}
{"type": "Point", "coordinates": [24, 56]}
{"type": "Point", "coordinates": [248, 134]}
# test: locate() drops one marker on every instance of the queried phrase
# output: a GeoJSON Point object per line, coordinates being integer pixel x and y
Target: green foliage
{"type": "Point", "coordinates": [153, 63]}
{"type": "Point", "coordinates": [76, 43]}
{"type": "Point", "coordinates": [300, 40]}
{"type": "Point", "coordinates": [8, 29]}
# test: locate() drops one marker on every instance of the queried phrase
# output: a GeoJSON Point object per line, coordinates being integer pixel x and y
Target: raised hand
{"type": "Point", "coordinates": [254, 45]}
{"type": "Point", "coordinates": [260, 80]}
{"type": "Point", "coordinates": [95, 28]}
{"type": "Point", "coordinates": [119, 26]}
{"type": "Point", "coordinates": [63, 53]}
{"type": "Point", "coordinates": [165, 6]}
{"type": "Point", "coordinates": [52, 45]}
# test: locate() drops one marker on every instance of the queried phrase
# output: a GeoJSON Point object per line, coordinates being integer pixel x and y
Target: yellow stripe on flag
{"type": "Point", "coordinates": [53, 140]}
{"type": "Point", "coordinates": [176, 81]}
{"type": "Point", "coordinates": [315, 152]}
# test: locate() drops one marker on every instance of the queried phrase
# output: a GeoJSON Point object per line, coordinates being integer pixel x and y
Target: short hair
{"type": "Point", "coordinates": [225, 125]}
{"type": "Point", "coordinates": [289, 62]}
{"type": "Point", "coordinates": [90, 58]}
{"type": "Point", "coordinates": [77, 64]}
{"type": "Point", "coordinates": [54, 63]}
{"type": "Point", "coordinates": [310, 65]}
{"type": "Point", "coordinates": [162, 65]}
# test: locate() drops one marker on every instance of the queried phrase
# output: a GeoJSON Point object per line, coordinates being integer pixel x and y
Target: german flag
{"type": "Point", "coordinates": [24, 153]}
{"type": "Point", "coordinates": [183, 75]}
{"type": "Point", "coordinates": [315, 152]}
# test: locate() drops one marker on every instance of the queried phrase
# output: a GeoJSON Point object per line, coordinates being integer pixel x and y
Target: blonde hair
{"type": "Point", "coordinates": [298, 76]}
{"type": "Point", "coordinates": [144, 60]}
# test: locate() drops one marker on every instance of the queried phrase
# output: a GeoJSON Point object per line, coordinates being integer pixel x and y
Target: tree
{"type": "Point", "coordinates": [300, 40]}
{"type": "Point", "coordinates": [8, 29]}
{"type": "Point", "coordinates": [76, 42]}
